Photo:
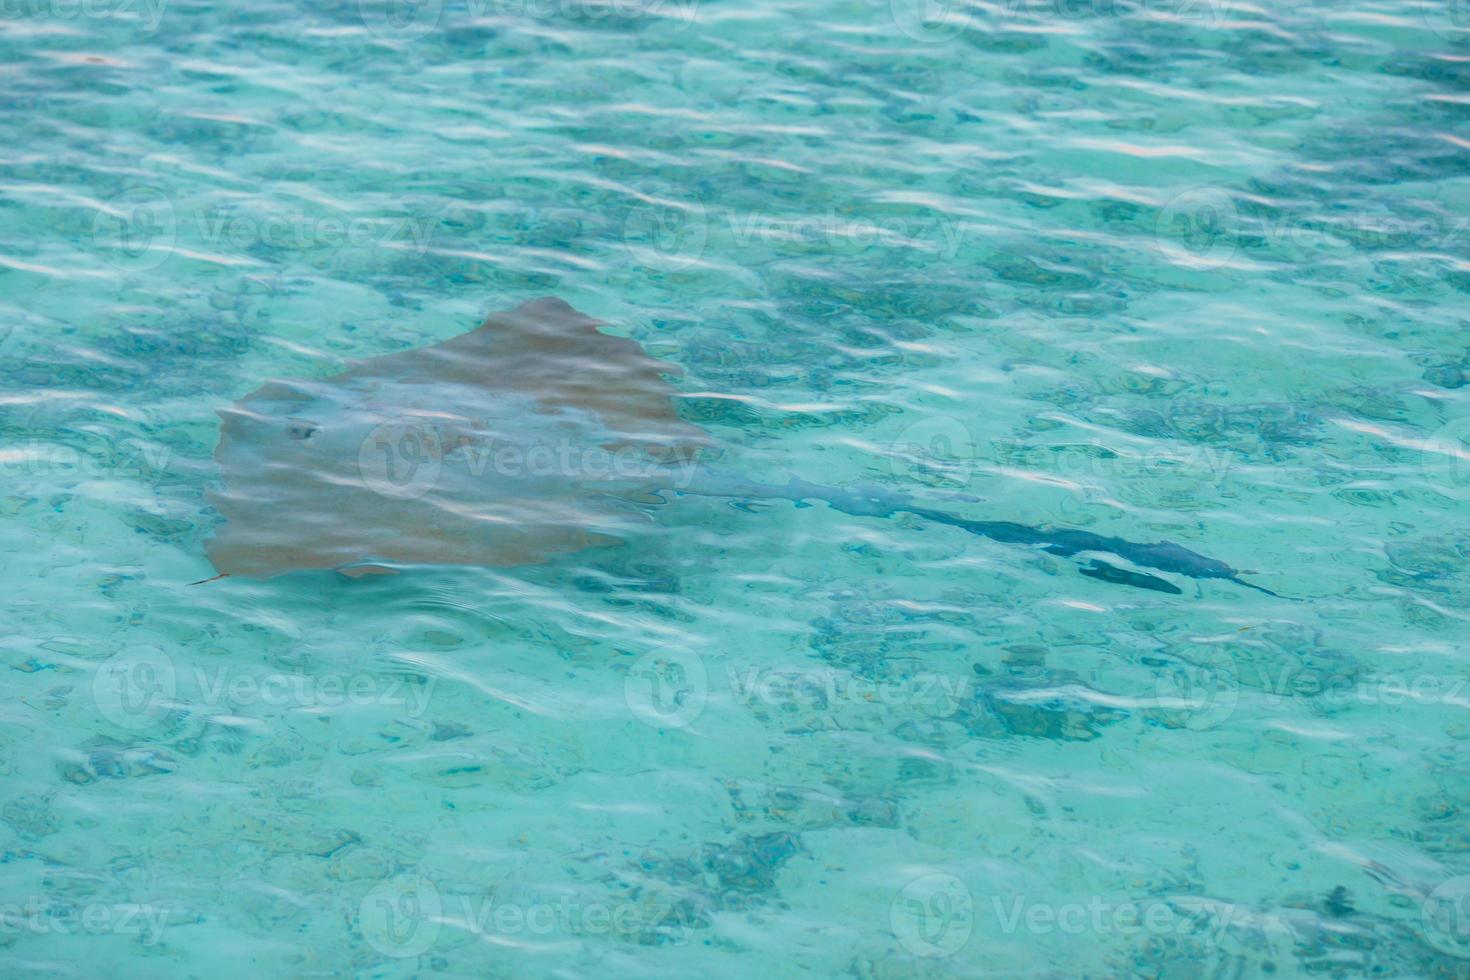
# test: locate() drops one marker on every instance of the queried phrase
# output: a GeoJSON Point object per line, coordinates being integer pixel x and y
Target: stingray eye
{"type": "Point", "coordinates": [300, 429]}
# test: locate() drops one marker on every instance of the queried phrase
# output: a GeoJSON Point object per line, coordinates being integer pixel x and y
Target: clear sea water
{"type": "Point", "coordinates": [1193, 270]}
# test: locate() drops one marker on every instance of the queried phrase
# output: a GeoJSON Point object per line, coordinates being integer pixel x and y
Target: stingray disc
{"type": "Point", "coordinates": [501, 446]}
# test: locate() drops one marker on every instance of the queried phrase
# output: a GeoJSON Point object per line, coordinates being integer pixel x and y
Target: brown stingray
{"type": "Point", "coordinates": [521, 439]}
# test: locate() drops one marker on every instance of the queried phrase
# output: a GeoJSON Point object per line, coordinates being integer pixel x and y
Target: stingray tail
{"type": "Point", "coordinates": [1068, 543]}
{"type": "Point", "coordinates": [206, 581]}
{"type": "Point", "coordinates": [1261, 588]}
{"type": "Point", "coordinates": [872, 501]}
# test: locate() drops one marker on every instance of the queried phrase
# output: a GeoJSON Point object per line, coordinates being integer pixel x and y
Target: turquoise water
{"type": "Point", "coordinates": [1193, 270]}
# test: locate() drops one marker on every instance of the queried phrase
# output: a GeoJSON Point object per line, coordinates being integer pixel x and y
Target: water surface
{"type": "Point", "coordinates": [1186, 270]}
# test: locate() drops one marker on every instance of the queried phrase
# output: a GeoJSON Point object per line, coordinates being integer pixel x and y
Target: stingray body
{"type": "Point", "coordinates": [535, 434]}
{"type": "Point", "coordinates": [502, 446]}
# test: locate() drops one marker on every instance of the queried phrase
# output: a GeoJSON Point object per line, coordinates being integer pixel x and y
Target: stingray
{"type": "Point", "coordinates": [534, 435]}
